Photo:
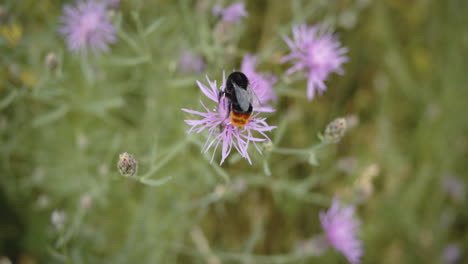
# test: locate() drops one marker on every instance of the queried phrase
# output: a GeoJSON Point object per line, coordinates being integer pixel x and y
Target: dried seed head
{"type": "Point", "coordinates": [127, 165]}
{"type": "Point", "coordinates": [51, 61]}
{"type": "Point", "coordinates": [335, 130]}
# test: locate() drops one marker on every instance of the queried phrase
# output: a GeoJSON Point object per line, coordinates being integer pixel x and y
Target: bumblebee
{"type": "Point", "coordinates": [240, 99]}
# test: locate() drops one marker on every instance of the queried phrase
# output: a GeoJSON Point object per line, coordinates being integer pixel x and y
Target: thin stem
{"type": "Point", "coordinates": [289, 151]}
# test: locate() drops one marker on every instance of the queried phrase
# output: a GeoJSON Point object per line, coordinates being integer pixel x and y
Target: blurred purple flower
{"type": "Point", "coordinates": [220, 128]}
{"type": "Point", "coordinates": [316, 51]}
{"type": "Point", "coordinates": [451, 254]}
{"type": "Point", "coordinates": [233, 13]}
{"type": "Point", "coordinates": [112, 3]}
{"type": "Point", "coordinates": [454, 186]}
{"type": "Point", "coordinates": [87, 26]}
{"type": "Point", "coordinates": [261, 84]}
{"type": "Point", "coordinates": [190, 62]}
{"type": "Point", "coordinates": [341, 230]}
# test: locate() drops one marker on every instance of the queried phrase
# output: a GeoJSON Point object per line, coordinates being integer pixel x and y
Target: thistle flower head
{"type": "Point", "coordinates": [340, 230]}
{"type": "Point", "coordinates": [335, 130]}
{"type": "Point", "coordinates": [51, 61]}
{"type": "Point", "coordinates": [221, 132]}
{"type": "Point", "coordinates": [262, 84]}
{"type": "Point", "coordinates": [451, 254]}
{"type": "Point", "coordinates": [190, 62]}
{"type": "Point", "coordinates": [127, 165]}
{"type": "Point", "coordinates": [233, 13]}
{"type": "Point", "coordinates": [454, 187]}
{"type": "Point", "coordinates": [87, 26]}
{"type": "Point", "coordinates": [317, 53]}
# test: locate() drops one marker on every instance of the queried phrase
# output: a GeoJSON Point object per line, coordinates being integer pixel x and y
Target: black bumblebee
{"type": "Point", "coordinates": [240, 98]}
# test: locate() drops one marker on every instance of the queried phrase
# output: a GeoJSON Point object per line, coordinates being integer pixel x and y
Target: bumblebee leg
{"type": "Point", "coordinates": [220, 94]}
{"type": "Point", "coordinates": [229, 110]}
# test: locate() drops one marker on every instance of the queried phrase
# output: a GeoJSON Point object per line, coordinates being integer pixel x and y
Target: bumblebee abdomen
{"type": "Point", "coordinates": [239, 119]}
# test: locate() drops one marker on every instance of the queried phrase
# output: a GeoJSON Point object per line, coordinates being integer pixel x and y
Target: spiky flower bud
{"type": "Point", "coordinates": [51, 61]}
{"type": "Point", "coordinates": [127, 165]}
{"type": "Point", "coordinates": [335, 130]}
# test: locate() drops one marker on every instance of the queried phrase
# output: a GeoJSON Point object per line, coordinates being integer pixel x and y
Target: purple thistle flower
{"type": "Point", "coordinates": [317, 52]}
{"type": "Point", "coordinates": [190, 62]}
{"type": "Point", "coordinates": [261, 84]}
{"type": "Point", "coordinates": [451, 254]}
{"type": "Point", "coordinates": [87, 26]}
{"type": "Point", "coordinates": [233, 13]}
{"type": "Point", "coordinates": [454, 186]}
{"type": "Point", "coordinates": [340, 230]}
{"type": "Point", "coordinates": [220, 129]}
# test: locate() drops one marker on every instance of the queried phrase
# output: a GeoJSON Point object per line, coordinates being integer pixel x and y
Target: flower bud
{"type": "Point", "coordinates": [268, 146]}
{"type": "Point", "coordinates": [51, 61]}
{"type": "Point", "coordinates": [58, 219]}
{"type": "Point", "coordinates": [127, 165]}
{"type": "Point", "coordinates": [335, 130]}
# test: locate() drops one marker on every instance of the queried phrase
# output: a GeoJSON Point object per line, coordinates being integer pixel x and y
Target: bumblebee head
{"type": "Point", "coordinates": [239, 79]}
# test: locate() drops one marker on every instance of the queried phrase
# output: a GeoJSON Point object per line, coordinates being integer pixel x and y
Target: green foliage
{"type": "Point", "coordinates": [62, 130]}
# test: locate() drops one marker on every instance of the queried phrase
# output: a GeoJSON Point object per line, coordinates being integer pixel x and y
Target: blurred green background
{"type": "Point", "coordinates": [61, 131]}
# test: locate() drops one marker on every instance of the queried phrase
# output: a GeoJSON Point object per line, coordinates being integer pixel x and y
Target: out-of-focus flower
{"type": "Point", "coordinates": [58, 219]}
{"type": "Point", "coordinates": [190, 62]}
{"type": "Point", "coordinates": [316, 52]}
{"type": "Point", "coordinates": [86, 201]}
{"type": "Point", "coordinates": [5, 260]}
{"type": "Point", "coordinates": [28, 78]}
{"type": "Point", "coordinates": [112, 3]}
{"type": "Point", "coordinates": [82, 141]}
{"type": "Point", "coordinates": [341, 228]}
{"type": "Point", "coordinates": [12, 33]}
{"type": "Point", "coordinates": [233, 13]}
{"type": "Point", "coordinates": [51, 61]}
{"type": "Point", "coordinates": [364, 184]}
{"type": "Point", "coordinates": [262, 84]}
{"type": "Point", "coordinates": [451, 254]}
{"type": "Point", "coordinates": [127, 165]}
{"type": "Point", "coordinates": [221, 130]}
{"type": "Point", "coordinates": [335, 130]}
{"type": "Point", "coordinates": [42, 201]}
{"type": "Point", "coordinates": [87, 26]}
{"type": "Point", "coordinates": [3, 14]}
{"type": "Point", "coordinates": [454, 187]}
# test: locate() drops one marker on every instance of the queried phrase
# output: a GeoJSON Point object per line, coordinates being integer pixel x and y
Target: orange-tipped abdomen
{"type": "Point", "coordinates": [239, 119]}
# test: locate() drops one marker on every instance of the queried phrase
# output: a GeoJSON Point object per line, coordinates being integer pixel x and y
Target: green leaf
{"type": "Point", "coordinates": [8, 100]}
{"type": "Point", "coordinates": [152, 27]}
{"type": "Point", "coordinates": [104, 105]}
{"type": "Point", "coordinates": [51, 116]}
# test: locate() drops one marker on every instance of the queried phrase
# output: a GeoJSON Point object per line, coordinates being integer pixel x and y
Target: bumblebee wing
{"type": "Point", "coordinates": [255, 101]}
{"type": "Point", "coordinates": [244, 97]}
